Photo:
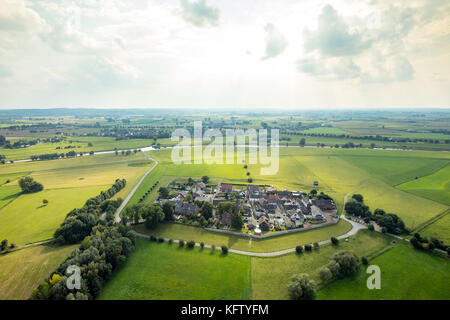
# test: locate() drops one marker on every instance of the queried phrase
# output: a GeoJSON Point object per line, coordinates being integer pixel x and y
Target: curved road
{"type": "Point", "coordinates": [355, 228]}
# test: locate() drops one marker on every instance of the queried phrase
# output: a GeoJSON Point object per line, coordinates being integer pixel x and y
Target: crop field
{"type": "Point", "coordinates": [325, 130]}
{"type": "Point", "coordinates": [271, 275]}
{"type": "Point", "coordinates": [80, 144]}
{"type": "Point", "coordinates": [23, 270]}
{"type": "Point", "coordinates": [161, 271]}
{"type": "Point", "coordinates": [405, 274]}
{"type": "Point", "coordinates": [439, 228]}
{"type": "Point", "coordinates": [24, 218]}
{"type": "Point", "coordinates": [435, 186]}
{"type": "Point", "coordinates": [339, 172]}
{"type": "Point", "coordinates": [183, 232]}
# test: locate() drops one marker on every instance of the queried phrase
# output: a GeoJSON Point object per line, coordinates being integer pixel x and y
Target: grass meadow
{"type": "Point", "coordinates": [183, 232]}
{"type": "Point", "coordinates": [270, 276]}
{"type": "Point", "coordinates": [406, 273]}
{"type": "Point", "coordinates": [161, 271]}
{"type": "Point", "coordinates": [23, 270]}
{"type": "Point", "coordinates": [67, 184]}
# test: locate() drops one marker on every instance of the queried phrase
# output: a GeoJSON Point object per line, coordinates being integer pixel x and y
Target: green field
{"type": "Point", "coordinates": [373, 173]}
{"type": "Point", "coordinates": [439, 228]}
{"type": "Point", "coordinates": [183, 232]}
{"type": "Point", "coordinates": [67, 184]}
{"type": "Point", "coordinates": [163, 271]}
{"type": "Point", "coordinates": [435, 186]}
{"type": "Point", "coordinates": [23, 270]}
{"type": "Point", "coordinates": [405, 274]}
{"type": "Point", "coordinates": [270, 276]}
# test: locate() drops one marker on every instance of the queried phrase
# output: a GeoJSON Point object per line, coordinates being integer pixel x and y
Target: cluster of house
{"type": "Point", "coordinates": [265, 208]}
{"type": "Point", "coordinates": [291, 209]}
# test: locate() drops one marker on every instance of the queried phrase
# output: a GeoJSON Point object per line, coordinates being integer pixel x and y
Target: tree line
{"type": "Point", "coordinates": [78, 223]}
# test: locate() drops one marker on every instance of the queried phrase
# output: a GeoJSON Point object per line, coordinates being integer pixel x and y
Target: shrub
{"type": "Point", "coordinates": [181, 244]}
{"type": "Point", "coordinates": [224, 249]}
{"type": "Point", "coordinates": [325, 274]}
{"type": "Point", "coordinates": [371, 227]}
{"type": "Point", "coordinates": [152, 238]}
{"type": "Point", "coordinates": [301, 287]}
{"type": "Point", "coordinates": [308, 247]}
{"type": "Point", "coordinates": [190, 244]}
{"type": "Point", "coordinates": [160, 239]}
{"type": "Point", "coordinates": [202, 245]}
{"type": "Point", "coordinates": [364, 261]}
{"type": "Point", "coordinates": [170, 241]}
{"type": "Point", "coordinates": [213, 248]}
{"type": "Point", "coordinates": [334, 241]}
{"type": "Point", "coordinates": [316, 245]}
{"type": "Point", "coordinates": [299, 249]}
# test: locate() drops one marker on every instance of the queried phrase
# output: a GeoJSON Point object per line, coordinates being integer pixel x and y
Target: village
{"type": "Point", "coordinates": [258, 209]}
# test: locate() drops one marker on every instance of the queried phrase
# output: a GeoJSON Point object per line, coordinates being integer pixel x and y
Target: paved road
{"type": "Point", "coordinates": [127, 199]}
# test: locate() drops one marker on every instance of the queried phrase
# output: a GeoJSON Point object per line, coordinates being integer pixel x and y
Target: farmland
{"type": "Point", "coordinates": [403, 271]}
{"type": "Point", "coordinates": [163, 271]}
{"type": "Point", "coordinates": [23, 270]}
{"type": "Point", "coordinates": [67, 184]}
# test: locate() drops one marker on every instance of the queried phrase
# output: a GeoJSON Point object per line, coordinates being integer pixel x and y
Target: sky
{"type": "Point", "coordinates": [286, 54]}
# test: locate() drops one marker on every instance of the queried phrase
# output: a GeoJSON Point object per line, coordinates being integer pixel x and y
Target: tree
{"type": "Point", "coordinates": [356, 208]}
{"type": "Point", "coordinates": [205, 179]}
{"type": "Point", "coordinates": [358, 197]}
{"type": "Point", "coordinates": [334, 240]}
{"type": "Point", "coordinates": [4, 244]}
{"type": "Point", "coordinates": [224, 249]}
{"type": "Point", "coordinates": [28, 185]}
{"type": "Point", "coordinates": [347, 263]}
{"type": "Point", "coordinates": [206, 210]}
{"type": "Point", "coordinates": [44, 202]}
{"type": "Point", "coordinates": [325, 274]}
{"type": "Point", "coordinates": [365, 261]}
{"type": "Point", "coordinates": [301, 287]}
{"type": "Point", "coordinates": [299, 249]}
{"type": "Point", "coordinates": [236, 221]}
{"type": "Point", "coordinates": [153, 216]}
{"type": "Point", "coordinates": [167, 208]}
{"type": "Point", "coordinates": [302, 142]}
{"type": "Point", "coordinates": [163, 192]}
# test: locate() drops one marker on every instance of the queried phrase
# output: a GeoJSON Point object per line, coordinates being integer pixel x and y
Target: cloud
{"type": "Point", "coordinates": [275, 42]}
{"type": "Point", "coordinates": [334, 37]}
{"type": "Point", "coordinates": [373, 46]}
{"type": "Point", "coordinates": [199, 13]}
{"type": "Point", "coordinates": [330, 70]}
{"type": "Point", "coordinates": [5, 71]}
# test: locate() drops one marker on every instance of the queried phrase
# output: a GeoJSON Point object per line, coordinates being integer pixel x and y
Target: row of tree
{"type": "Point", "coordinates": [100, 253]}
{"type": "Point", "coordinates": [79, 222]}
{"type": "Point", "coordinates": [423, 243]}
{"type": "Point", "coordinates": [389, 222]}
{"type": "Point", "coordinates": [52, 156]}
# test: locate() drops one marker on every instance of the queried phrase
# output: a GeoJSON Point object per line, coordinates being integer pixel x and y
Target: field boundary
{"type": "Point", "coordinates": [431, 221]}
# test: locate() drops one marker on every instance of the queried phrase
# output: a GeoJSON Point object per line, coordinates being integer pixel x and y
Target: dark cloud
{"type": "Point", "coordinates": [199, 13]}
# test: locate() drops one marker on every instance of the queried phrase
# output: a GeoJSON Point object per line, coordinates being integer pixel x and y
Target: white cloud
{"type": "Point", "coordinates": [276, 43]}
{"type": "Point", "coordinates": [199, 13]}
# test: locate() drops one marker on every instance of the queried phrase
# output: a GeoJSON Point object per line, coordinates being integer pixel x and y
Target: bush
{"type": "Point", "coordinates": [308, 247]}
{"type": "Point", "coordinates": [160, 240]}
{"type": "Point", "coordinates": [28, 185]}
{"type": "Point", "coordinates": [371, 227]}
{"type": "Point", "coordinates": [202, 245]}
{"type": "Point", "coordinates": [325, 274]}
{"type": "Point", "coordinates": [301, 287]}
{"type": "Point", "coordinates": [181, 243]}
{"type": "Point", "coordinates": [299, 249]}
{"type": "Point", "coordinates": [170, 241]}
{"type": "Point", "coordinates": [334, 241]}
{"type": "Point", "coordinates": [213, 248]}
{"type": "Point", "coordinates": [190, 244]}
{"type": "Point", "coordinates": [364, 261]}
{"type": "Point", "coordinates": [224, 249]}
{"type": "Point", "coordinates": [316, 245]}
{"type": "Point", "coordinates": [152, 238]}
